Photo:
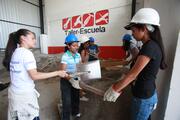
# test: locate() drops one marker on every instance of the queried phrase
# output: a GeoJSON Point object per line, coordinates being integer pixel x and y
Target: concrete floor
{"type": "Point", "coordinates": [94, 109]}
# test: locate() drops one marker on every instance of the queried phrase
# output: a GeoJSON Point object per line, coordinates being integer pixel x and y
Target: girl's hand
{"type": "Point", "coordinates": [111, 94]}
{"type": "Point", "coordinates": [62, 73]}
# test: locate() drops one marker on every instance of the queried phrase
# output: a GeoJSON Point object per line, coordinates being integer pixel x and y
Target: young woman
{"type": "Point", "coordinates": [70, 89]}
{"type": "Point", "coordinates": [145, 27]}
{"type": "Point", "coordinates": [20, 61]}
{"type": "Point", "coordinates": [83, 49]}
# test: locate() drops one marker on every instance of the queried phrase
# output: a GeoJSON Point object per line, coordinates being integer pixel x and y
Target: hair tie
{"type": "Point", "coordinates": [150, 28]}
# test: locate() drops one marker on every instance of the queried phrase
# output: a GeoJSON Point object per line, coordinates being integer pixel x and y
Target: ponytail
{"type": "Point", "coordinates": [156, 36]}
{"type": "Point", "coordinates": [11, 46]}
{"type": "Point", "coordinates": [13, 41]}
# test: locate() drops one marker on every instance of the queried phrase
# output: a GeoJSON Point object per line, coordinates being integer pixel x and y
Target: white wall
{"type": "Point", "coordinates": [173, 105]}
{"type": "Point", "coordinates": [119, 16]}
{"type": "Point", "coordinates": [169, 11]}
{"type": "Point", "coordinates": [16, 14]}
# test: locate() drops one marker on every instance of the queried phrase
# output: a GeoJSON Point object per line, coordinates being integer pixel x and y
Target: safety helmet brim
{"type": "Point", "coordinates": [84, 39]}
{"type": "Point", "coordinates": [129, 26]}
{"type": "Point", "coordinates": [70, 39]}
{"type": "Point", "coordinates": [70, 42]}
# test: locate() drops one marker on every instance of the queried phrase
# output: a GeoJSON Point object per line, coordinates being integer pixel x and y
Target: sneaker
{"type": "Point", "coordinates": [59, 108]}
{"type": "Point", "coordinates": [4, 86]}
{"type": "Point", "coordinates": [83, 98]}
{"type": "Point", "coordinates": [78, 115]}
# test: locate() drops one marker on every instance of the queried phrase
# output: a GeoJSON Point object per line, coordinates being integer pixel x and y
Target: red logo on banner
{"type": "Point", "coordinates": [88, 19]}
{"type": "Point", "coordinates": [76, 21]}
{"type": "Point", "coordinates": [66, 23]}
{"type": "Point", "coordinates": [102, 17]}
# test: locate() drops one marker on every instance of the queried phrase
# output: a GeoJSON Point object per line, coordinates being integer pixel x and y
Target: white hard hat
{"type": "Point", "coordinates": [145, 16]}
{"type": "Point", "coordinates": [84, 39]}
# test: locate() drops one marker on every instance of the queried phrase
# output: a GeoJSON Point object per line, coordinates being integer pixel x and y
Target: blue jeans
{"type": "Point", "coordinates": [70, 100]}
{"type": "Point", "coordinates": [36, 118]}
{"type": "Point", "coordinates": [142, 108]}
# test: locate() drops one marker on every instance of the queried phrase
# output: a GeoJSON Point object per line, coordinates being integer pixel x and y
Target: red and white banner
{"type": "Point", "coordinates": [86, 20]}
{"type": "Point", "coordinates": [76, 21]}
{"type": "Point", "coordinates": [102, 17]}
{"type": "Point", "coordinates": [66, 23]}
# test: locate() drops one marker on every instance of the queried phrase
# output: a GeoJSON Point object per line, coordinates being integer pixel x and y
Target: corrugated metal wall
{"type": "Point", "coordinates": [16, 14]}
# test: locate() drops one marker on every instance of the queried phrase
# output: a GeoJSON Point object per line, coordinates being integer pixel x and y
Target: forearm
{"type": "Point", "coordinates": [121, 84]}
{"type": "Point", "coordinates": [141, 62]}
{"type": "Point", "coordinates": [40, 75]}
{"type": "Point", "coordinates": [83, 59]}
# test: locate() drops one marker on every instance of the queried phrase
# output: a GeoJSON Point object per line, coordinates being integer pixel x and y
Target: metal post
{"type": "Point", "coordinates": [133, 10]}
{"type": "Point", "coordinates": [41, 16]}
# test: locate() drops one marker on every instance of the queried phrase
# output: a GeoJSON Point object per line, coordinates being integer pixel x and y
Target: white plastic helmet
{"type": "Point", "coordinates": [145, 16]}
{"type": "Point", "coordinates": [84, 39]}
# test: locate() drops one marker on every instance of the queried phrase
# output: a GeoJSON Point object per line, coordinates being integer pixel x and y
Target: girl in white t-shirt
{"type": "Point", "coordinates": [20, 61]}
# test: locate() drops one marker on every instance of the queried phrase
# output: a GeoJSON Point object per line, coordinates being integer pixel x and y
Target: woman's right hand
{"type": "Point", "coordinates": [62, 73]}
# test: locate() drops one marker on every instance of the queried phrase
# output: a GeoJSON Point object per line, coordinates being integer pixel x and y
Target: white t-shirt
{"type": "Point", "coordinates": [22, 60]}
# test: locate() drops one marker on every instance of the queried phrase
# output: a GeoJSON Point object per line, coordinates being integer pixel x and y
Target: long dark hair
{"type": "Point", "coordinates": [66, 47]}
{"type": "Point", "coordinates": [81, 48]}
{"type": "Point", "coordinates": [156, 36]}
{"type": "Point", "coordinates": [13, 41]}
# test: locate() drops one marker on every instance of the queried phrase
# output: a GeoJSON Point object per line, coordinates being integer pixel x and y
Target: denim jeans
{"type": "Point", "coordinates": [36, 118]}
{"type": "Point", "coordinates": [70, 100]}
{"type": "Point", "coordinates": [142, 108]}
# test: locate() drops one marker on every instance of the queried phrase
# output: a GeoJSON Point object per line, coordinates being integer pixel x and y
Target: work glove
{"type": "Point", "coordinates": [75, 82]}
{"type": "Point", "coordinates": [111, 95]}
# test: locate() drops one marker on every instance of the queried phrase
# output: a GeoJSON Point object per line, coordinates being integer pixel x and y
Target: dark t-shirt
{"type": "Point", "coordinates": [145, 84]}
{"type": "Point", "coordinates": [93, 49]}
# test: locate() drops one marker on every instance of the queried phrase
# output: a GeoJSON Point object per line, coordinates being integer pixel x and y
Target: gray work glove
{"type": "Point", "coordinates": [75, 82]}
{"type": "Point", "coordinates": [111, 95]}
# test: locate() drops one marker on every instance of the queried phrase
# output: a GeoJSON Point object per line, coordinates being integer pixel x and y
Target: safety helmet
{"type": "Point", "coordinates": [127, 37]}
{"type": "Point", "coordinates": [91, 39]}
{"type": "Point", "coordinates": [71, 38]}
{"type": "Point", "coordinates": [84, 39]}
{"type": "Point", "coordinates": [145, 16]}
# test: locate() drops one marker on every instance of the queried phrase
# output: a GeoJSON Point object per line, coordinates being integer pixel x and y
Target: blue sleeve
{"type": "Point", "coordinates": [97, 50]}
{"type": "Point", "coordinates": [64, 59]}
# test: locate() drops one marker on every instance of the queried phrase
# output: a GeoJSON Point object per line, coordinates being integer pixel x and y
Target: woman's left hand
{"type": "Point", "coordinates": [62, 73]}
{"type": "Point", "coordinates": [111, 95]}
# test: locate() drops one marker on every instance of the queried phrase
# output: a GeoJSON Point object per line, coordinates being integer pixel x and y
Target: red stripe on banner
{"type": "Point", "coordinates": [111, 52]}
{"type": "Point", "coordinates": [55, 49]}
{"type": "Point", "coordinates": [106, 52]}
